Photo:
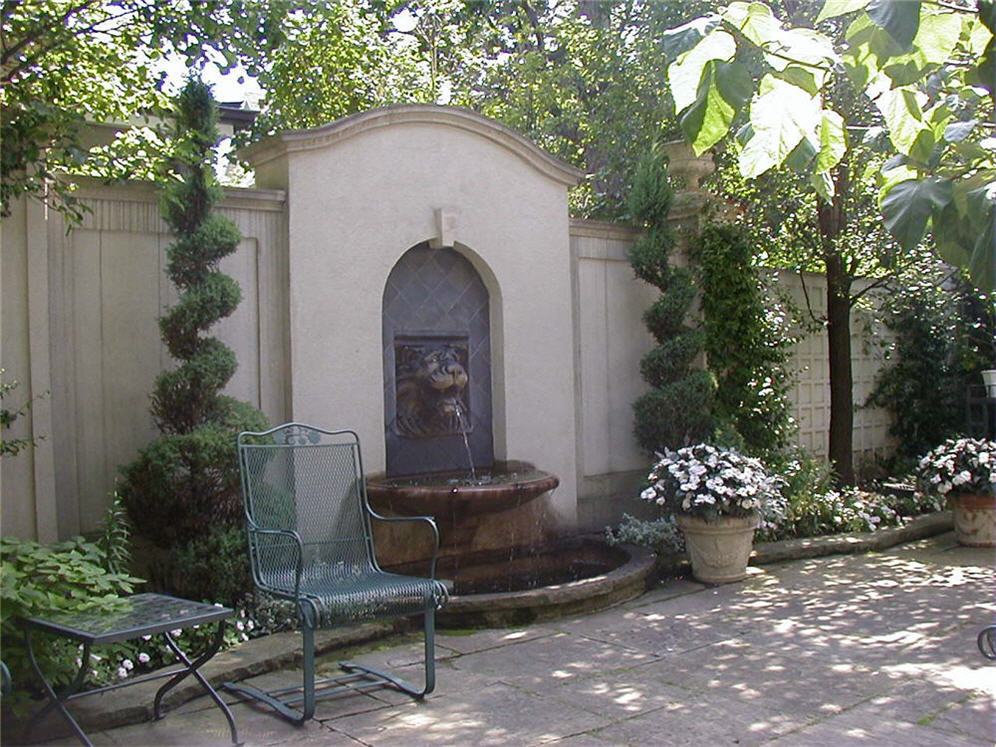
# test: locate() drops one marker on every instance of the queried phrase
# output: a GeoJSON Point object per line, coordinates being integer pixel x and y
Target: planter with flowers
{"type": "Point", "coordinates": [964, 471]}
{"type": "Point", "coordinates": [717, 497]}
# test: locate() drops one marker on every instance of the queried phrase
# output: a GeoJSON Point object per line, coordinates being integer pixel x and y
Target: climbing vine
{"type": "Point", "coordinates": [746, 345]}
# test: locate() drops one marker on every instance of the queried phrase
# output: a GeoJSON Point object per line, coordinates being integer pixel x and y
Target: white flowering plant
{"type": "Point", "coordinates": [962, 465]}
{"type": "Point", "coordinates": [708, 481]}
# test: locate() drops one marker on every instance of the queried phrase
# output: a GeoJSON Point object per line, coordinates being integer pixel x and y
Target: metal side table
{"type": "Point", "coordinates": [133, 617]}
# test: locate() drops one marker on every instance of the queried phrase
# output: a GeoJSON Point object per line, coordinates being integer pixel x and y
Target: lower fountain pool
{"type": "Point", "coordinates": [523, 585]}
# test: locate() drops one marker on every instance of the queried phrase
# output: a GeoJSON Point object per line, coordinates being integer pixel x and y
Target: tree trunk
{"type": "Point", "coordinates": [841, 380]}
{"type": "Point", "coordinates": [832, 219]}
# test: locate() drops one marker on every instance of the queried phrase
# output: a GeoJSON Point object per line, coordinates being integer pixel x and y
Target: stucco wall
{"type": "Point", "coordinates": [361, 193]}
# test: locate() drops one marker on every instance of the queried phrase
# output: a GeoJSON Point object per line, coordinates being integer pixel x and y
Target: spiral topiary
{"type": "Point", "coordinates": [182, 493]}
{"type": "Point", "coordinates": [677, 411]}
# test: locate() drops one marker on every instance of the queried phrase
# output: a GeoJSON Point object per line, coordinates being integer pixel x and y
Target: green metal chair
{"type": "Point", "coordinates": [309, 528]}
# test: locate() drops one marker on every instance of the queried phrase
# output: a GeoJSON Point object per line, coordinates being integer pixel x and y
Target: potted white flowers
{"type": "Point", "coordinates": [964, 471]}
{"type": "Point", "coordinates": [716, 496]}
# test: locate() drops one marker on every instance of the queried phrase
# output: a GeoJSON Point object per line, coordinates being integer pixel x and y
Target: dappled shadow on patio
{"type": "Point", "coordinates": [876, 649]}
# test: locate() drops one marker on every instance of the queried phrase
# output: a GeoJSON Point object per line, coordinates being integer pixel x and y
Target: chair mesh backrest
{"type": "Point", "coordinates": [310, 481]}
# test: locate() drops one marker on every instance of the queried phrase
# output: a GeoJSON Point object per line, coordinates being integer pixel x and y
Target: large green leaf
{"type": "Point", "coordinates": [724, 89]}
{"type": "Point", "coordinates": [781, 115]}
{"type": "Point", "coordinates": [899, 18]}
{"type": "Point", "coordinates": [755, 21]}
{"type": "Point", "coordinates": [963, 231]}
{"type": "Point", "coordinates": [938, 36]}
{"type": "Point", "coordinates": [908, 206]}
{"type": "Point", "coordinates": [685, 75]}
{"type": "Point", "coordinates": [901, 109]}
{"type": "Point", "coordinates": [679, 40]}
{"type": "Point", "coordinates": [833, 140]}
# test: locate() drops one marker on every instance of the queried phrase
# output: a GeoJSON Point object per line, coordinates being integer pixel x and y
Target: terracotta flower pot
{"type": "Point", "coordinates": [719, 549]}
{"type": "Point", "coordinates": [975, 519]}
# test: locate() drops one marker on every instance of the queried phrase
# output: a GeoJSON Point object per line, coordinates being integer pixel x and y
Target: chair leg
{"type": "Point", "coordinates": [278, 699]}
{"type": "Point", "coordinates": [397, 682]}
{"type": "Point", "coordinates": [360, 679]}
{"type": "Point", "coordinates": [308, 644]}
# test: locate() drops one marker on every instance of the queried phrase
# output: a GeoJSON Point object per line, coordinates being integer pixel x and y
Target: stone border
{"type": "Point", "coordinates": [134, 704]}
{"type": "Point", "coordinates": [854, 542]}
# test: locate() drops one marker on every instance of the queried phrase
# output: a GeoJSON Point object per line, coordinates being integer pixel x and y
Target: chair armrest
{"type": "Point", "coordinates": [428, 520]}
{"type": "Point", "coordinates": [298, 545]}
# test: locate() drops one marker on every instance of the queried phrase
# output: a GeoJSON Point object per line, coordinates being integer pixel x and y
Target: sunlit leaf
{"type": "Point", "coordinates": [755, 21]}
{"type": "Point", "coordinates": [781, 115]}
{"type": "Point", "coordinates": [833, 141]}
{"type": "Point", "coordinates": [724, 89]}
{"type": "Point", "coordinates": [685, 75]}
{"type": "Point", "coordinates": [682, 38]}
{"type": "Point", "coordinates": [900, 107]}
{"type": "Point", "coordinates": [938, 36]}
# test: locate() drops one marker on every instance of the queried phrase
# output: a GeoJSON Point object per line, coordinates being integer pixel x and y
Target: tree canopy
{"type": "Point", "coordinates": [64, 63]}
{"type": "Point", "coordinates": [927, 68]}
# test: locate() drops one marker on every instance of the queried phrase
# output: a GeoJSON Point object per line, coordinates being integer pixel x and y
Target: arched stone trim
{"type": "Point", "coordinates": [418, 114]}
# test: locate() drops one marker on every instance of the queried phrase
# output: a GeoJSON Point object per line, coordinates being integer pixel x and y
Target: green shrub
{"type": "Point", "coordinates": [942, 340]}
{"type": "Point", "coordinates": [214, 566]}
{"type": "Point", "coordinates": [678, 409]}
{"type": "Point", "coordinates": [746, 346]}
{"type": "Point", "coordinates": [182, 492]}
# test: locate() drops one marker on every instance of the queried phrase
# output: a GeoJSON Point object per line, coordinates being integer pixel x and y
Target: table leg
{"type": "Point", "coordinates": [56, 701]}
{"type": "Point", "coordinates": [191, 668]}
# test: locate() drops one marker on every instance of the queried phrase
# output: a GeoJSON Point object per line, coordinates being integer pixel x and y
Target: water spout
{"type": "Point", "coordinates": [464, 427]}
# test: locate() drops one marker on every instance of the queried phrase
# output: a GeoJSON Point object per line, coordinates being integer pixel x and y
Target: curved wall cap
{"type": "Point", "coordinates": [333, 133]}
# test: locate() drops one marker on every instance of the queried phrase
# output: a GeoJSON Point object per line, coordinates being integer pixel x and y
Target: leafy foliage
{"type": "Point", "coordinates": [745, 343]}
{"type": "Point", "coordinates": [580, 79]}
{"type": "Point", "coordinates": [70, 576]}
{"type": "Point", "coordinates": [182, 492]}
{"type": "Point", "coordinates": [678, 409]}
{"type": "Point", "coordinates": [933, 360]}
{"type": "Point", "coordinates": [67, 63]}
{"type": "Point", "coordinates": [922, 65]}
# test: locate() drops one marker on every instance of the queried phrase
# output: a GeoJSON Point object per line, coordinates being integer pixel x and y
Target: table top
{"type": "Point", "coordinates": [129, 617]}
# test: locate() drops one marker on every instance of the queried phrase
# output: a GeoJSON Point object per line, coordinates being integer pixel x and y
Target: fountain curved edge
{"type": "Point", "coordinates": [506, 609]}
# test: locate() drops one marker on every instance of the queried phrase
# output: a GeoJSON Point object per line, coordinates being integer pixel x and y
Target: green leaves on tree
{"type": "Point", "coordinates": [919, 64]}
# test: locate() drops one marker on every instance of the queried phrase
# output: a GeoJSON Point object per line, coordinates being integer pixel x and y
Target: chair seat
{"type": "Point", "coordinates": [368, 595]}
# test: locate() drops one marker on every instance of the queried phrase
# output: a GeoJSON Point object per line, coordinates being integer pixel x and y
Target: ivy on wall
{"type": "Point", "coordinates": [746, 346]}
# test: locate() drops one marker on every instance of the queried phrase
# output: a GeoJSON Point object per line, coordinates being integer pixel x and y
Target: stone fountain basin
{"type": "Point", "coordinates": [506, 485]}
{"type": "Point", "coordinates": [570, 576]}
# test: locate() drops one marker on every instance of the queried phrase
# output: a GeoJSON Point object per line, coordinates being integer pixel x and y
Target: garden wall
{"type": "Point", "coordinates": [79, 332]}
{"type": "Point", "coordinates": [78, 320]}
{"type": "Point", "coordinates": [612, 340]}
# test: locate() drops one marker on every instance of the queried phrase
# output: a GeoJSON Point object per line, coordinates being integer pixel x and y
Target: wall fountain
{"type": "Point", "coordinates": [429, 307]}
{"type": "Point", "coordinates": [499, 548]}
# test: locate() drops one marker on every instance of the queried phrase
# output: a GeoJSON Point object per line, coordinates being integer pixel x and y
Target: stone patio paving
{"type": "Point", "coordinates": [854, 649]}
